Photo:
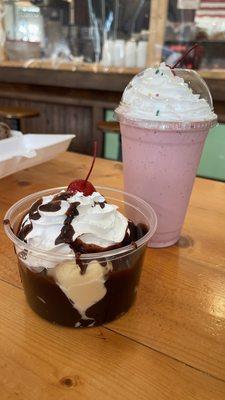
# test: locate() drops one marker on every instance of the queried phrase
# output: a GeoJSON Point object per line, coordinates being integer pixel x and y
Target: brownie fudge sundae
{"type": "Point", "coordinates": [80, 291]}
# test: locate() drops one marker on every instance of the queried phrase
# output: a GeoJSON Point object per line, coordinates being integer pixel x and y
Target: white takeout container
{"type": "Point", "coordinates": [23, 151]}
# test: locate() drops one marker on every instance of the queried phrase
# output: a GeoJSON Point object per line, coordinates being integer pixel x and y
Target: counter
{"type": "Point", "coordinates": [73, 99]}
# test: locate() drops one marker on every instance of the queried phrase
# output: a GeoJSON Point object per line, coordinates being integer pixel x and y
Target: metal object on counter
{"type": "Point", "coordinates": [5, 131]}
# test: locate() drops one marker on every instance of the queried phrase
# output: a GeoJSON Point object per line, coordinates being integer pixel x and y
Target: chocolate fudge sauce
{"type": "Point", "coordinates": [46, 297]}
{"type": "Point", "coordinates": [33, 214]}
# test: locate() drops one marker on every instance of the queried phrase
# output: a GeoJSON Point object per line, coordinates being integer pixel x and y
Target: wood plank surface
{"type": "Point", "coordinates": [180, 310]}
{"type": "Point", "coordinates": [43, 361]}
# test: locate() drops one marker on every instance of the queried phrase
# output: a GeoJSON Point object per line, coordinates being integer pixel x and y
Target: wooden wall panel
{"type": "Point", "coordinates": [58, 118]}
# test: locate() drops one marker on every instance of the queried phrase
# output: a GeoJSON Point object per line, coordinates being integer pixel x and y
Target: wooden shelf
{"type": "Point", "coordinates": [96, 68]}
{"type": "Point", "coordinates": [212, 73]}
{"type": "Point", "coordinates": [69, 66]}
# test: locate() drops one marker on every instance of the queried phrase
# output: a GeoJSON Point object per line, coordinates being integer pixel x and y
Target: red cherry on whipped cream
{"type": "Point", "coordinates": [79, 185]}
{"type": "Point", "coordinates": [83, 185]}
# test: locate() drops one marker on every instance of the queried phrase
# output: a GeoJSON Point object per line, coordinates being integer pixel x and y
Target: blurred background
{"type": "Point", "coordinates": [114, 32]}
{"type": "Point", "coordinates": [65, 63]}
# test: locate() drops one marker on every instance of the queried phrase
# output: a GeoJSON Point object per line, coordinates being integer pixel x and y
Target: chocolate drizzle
{"type": "Point", "coordinates": [79, 262]}
{"type": "Point", "coordinates": [66, 235]}
{"type": "Point", "coordinates": [133, 232]}
{"type": "Point", "coordinates": [63, 196]}
{"type": "Point", "coordinates": [72, 212]}
{"type": "Point", "coordinates": [34, 213]}
{"type": "Point", "coordinates": [136, 231]}
{"type": "Point", "coordinates": [52, 206]}
{"type": "Point", "coordinates": [67, 231]}
{"type": "Point", "coordinates": [25, 229]}
{"type": "Point", "coordinates": [100, 203]}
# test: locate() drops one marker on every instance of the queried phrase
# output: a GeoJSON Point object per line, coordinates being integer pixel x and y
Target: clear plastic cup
{"type": "Point", "coordinates": [54, 287]}
{"type": "Point", "coordinates": [160, 161]}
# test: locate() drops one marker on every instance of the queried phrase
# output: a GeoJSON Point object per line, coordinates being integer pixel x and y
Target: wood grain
{"type": "Point", "coordinates": [109, 126]}
{"type": "Point", "coordinates": [79, 79]}
{"type": "Point", "coordinates": [86, 78]}
{"type": "Point", "coordinates": [43, 361]}
{"type": "Point", "coordinates": [215, 73]}
{"type": "Point", "coordinates": [60, 111]}
{"type": "Point", "coordinates": [17, 112]}
{"type": "Point", "coordinates": [180, 310]}
{"type": "Point", "coordinates": [157, 24]}
{"type": "Point", "coordinates": [56, 119]}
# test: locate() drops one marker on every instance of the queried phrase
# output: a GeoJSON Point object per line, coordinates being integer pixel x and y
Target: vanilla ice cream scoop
{"type": "Point", "coordinates": [83, 290]}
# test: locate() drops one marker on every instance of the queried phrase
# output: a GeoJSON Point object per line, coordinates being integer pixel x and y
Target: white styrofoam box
{"type": "Point", "coordinates": [14, 146]}
{"type": "Point", "coordinates": [23, 151]}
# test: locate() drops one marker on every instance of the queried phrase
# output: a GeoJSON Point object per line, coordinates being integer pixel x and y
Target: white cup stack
{"type": "Point", "coordinates": [107, 53]}
{"type": "Point", "coordinates": [142, 54]}
{"type": "Point", "coordinates": [131, 54]}
{"type": "Point", "coordinates": [119, 53]}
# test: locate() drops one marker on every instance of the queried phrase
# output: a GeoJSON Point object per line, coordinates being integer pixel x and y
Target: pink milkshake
{"type": "Point", "coordinates": [164, 125]}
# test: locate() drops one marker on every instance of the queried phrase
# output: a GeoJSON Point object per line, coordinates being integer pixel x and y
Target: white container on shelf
{"type": "Point", "coordinates": [107, 53]}
{"type": "Point", "coordinates": [23, 151]}
{"type": "Point", "coordinates": [130, 54]}
{"type": "Point", "coordinates": [119, 53]}
{"type": "Point", "coordinates": [142, 53]}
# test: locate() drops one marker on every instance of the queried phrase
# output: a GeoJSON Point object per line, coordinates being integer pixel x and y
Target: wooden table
{"type": "Point", "coordinates": [171, 345]}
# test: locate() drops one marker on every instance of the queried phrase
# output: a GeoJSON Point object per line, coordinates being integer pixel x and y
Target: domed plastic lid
{"type": "Point", "coordinates": [157, 111]}
{"type": "Point", "coordinates": [196, 83]}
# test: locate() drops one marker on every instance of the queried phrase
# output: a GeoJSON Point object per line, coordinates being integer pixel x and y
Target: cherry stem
{"type": "Point", "coordinates": [93, 161]}
{"type": "Point", "coordinates": [184, 55]}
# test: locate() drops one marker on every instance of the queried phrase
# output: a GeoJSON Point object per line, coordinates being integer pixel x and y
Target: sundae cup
{"type": "Point", "coordinates": [165, 115]}
{"type": "Point", "coordinates": [80, 251]}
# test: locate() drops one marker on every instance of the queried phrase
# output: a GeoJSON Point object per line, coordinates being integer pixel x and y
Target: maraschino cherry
{"type": "Point", "coordinates": [81, 185]}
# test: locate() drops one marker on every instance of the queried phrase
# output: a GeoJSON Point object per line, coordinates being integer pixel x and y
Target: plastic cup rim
{"type": "Point", "coordinates": [142, 123]}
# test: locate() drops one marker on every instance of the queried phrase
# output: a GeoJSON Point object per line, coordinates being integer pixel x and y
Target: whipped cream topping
{"type": "Point", "coordinates": [158, 94]}
{"type": "Point", "coordinates": [94, 222]}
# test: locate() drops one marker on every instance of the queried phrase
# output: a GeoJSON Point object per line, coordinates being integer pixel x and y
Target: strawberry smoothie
{"type": "Point", "coordinates": [163, 126]}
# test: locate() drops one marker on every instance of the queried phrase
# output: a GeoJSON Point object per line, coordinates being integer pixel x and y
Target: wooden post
{"type": "Point", "coordinates": [2, 33]}
{"type": "Point", "coordinates": [157, 24]}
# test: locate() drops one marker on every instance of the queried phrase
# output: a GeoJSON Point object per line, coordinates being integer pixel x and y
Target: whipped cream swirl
{"type": "Point", "coordinates": [158, 94]}
{"type": "Point", "coordinates": [92, 220]}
